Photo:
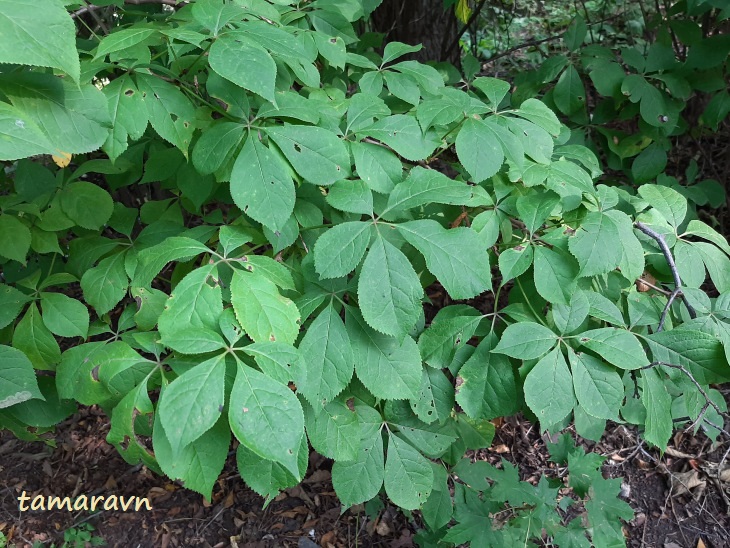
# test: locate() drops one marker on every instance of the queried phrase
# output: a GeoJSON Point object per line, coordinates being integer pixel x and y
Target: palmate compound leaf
{"type": "Point", "coordinates": [668, 202]}
{"type": "Point", "coordinates": [617, 346]}
{"type": "Point", "coordinates": [152, 260]}
{"type": "Point", "coordinates": [87, 204]}
{"type": "Point", "coordinates": [15, 238]}
{"type": "Point", "coordinates": [408, 474]}
{"type": "Point", "coordinates": [261, 186]}
{"type": "Point", "coordinates": [266, 477]}
{"type": "Point", "coordinates": [701, 353]}
{"type": "Point", "coordinates": [262, 311]}
{"type": "Point", "coordinates": [389, 368]}
{"type": "Point", "coordinates": [569, 317]}
{"type": "Point", "coordinates": [658, 403]}
{"type": "Point", "coordinates": [128, 114]}
{"type": "Point", "coordinates": [195, 302]}
{"type": "Point", "coordinates": [329, 359]}
{"type": "Point", "coordinates": [245, 63]}
{"type": "Point", "coordinates": [198, 464]}
{"type": "Point", "coordinates": [479, 149]}
{"type": "Point", "coordinates": [454, 256]}
{"type": "Point", "coordinates": [446, 335]}
{"type": "Point", "coordinates": [317, 154]}
{"type": "Point", "coordinates": [594, 244]}
{"type": "Point", "coordinates": [64, 316]}
{"type": "Point", "coordinates": [124, 39]}
{"type": "Point", "coordinates": [549, 389]}
{"type": "Point", "coordinates": [21, 136]}
{"type": "Point", "coordinates": [389, 290]}
{"type": "Point", "coordinates": [216, 145]}
{"type": "Point", "coordinates": [598, 387]}
{"type": "Point", "coordinates": [266, 417]}
{"type": "Point", "coordinates": [439, 507]}
{"type": "Point", "coordinates": [555, 274]}
{"type": "Point", "coordinates": [333, 430]}
{"type": "Point", "coordinates": [45, 41]}
{"type": "Point", "coordinates": [170, 112]}
{"type": "Point", "coordinates": [215, 15]}
{"type": "Point", "coordinates": [351, 196]}
{"type": "Point", "coordinates": [12, 302]}
{"type": "Point", "coordinates": [403, 134]}
{"type": "Point", "coordinates": [18, 378]}
{"type": "Point", "coordinates": [425, 186]}
{"type": "Point", "coordinates": [487, 389]}
{"type": "Point", "coordinates": [435, 397]}
{"type": "Point", "coordinates": [126, 424]}
{"type": "Point", "coordinates": [433, 440]}
{"type": "Point", "coordinates": [73, 118]}
{"type": "Point", "coordinates": [361, 479]}
{"type": "Point", "coordinates": [280, 361]}
{"type": "Point", "coordinates": [193, 402]}
{"type": "Point", "coordinates": [340, 249]}
{"type": "Point", "coordinates": [377, 166]}
{"type": "Point", "coordinates": [526, 341]}
{"type": "Point", "coordinates": [105, 284]}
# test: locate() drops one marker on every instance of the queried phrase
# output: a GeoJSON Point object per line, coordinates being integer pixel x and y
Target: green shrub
{"type": "Point", "coordinates": [241, 242]}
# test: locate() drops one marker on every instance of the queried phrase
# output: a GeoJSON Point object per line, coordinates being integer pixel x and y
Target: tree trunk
{"type": "Point", "coordinates": [420, 21]}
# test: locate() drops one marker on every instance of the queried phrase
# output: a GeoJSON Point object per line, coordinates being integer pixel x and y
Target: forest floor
{"type": "Point", "coordinates": [678, 499]}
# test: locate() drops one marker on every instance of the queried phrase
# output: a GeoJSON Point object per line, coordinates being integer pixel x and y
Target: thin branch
{"type": "Point", "coordinates": [90, 8]}
{"type": "Point", "coordinates": [99, 20]}
{"type": "Point", "coordinates": [647, 283]}
{"type": "Point", "coordinates": [524, 45]}
{"type": "Point", "coordinates": [659, 239]}
{"type": "Point", "coordinates": [667, 306]}
{"type": "Point", "coordinates": [472, 18]}
{"type": "Point", "coordinates": [702, 391]}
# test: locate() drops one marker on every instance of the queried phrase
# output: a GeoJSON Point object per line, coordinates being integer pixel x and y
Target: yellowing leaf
{"type": "Point", "coordinates": [463, 11]}
{"type": "Point", "coordinates": [63, 159]}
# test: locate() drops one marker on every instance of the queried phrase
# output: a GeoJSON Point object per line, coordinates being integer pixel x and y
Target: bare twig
{"type": "Point", "coordinates": [524, 45]}
{"type": "Point", "coordinates": [99, 20]}
{"type": "Point", "coordinates": [474, 15]}
{"type": "Point", "coordinates": [702, 391]}
{"type": "Point", "coordinates": [659, 239]}
{"type": "Point", "coordinates": [90, 8]}
{"type": "Point", "coordinates": [663, 318]}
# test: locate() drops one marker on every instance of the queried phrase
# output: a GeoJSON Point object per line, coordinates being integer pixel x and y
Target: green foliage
{"type": "Point", "coordinates": [241, 244]}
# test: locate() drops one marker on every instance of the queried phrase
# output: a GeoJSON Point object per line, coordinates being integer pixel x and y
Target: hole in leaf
{"type": "Point", "coordinates": [129, 92]}
{"type": "Point", "coordinates": [156, 96]}
{"type": "Point", "coordinates": [297, 147]}
{"type": "Point", "coordinates": [333, 40]}
{"type": "Point", "coordinates": [95, 373]}
{"type": "Point", "coordinates": [663, 118]}
{"type": "Point", "coordinates": [220, 408]}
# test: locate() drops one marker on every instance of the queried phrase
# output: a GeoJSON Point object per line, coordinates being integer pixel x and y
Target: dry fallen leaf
{"type": "Point", "coordinates": [684, 482]}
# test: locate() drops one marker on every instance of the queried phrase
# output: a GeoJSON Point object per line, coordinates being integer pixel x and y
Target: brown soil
{"type": "Point", "coordinates": [309, 515]}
